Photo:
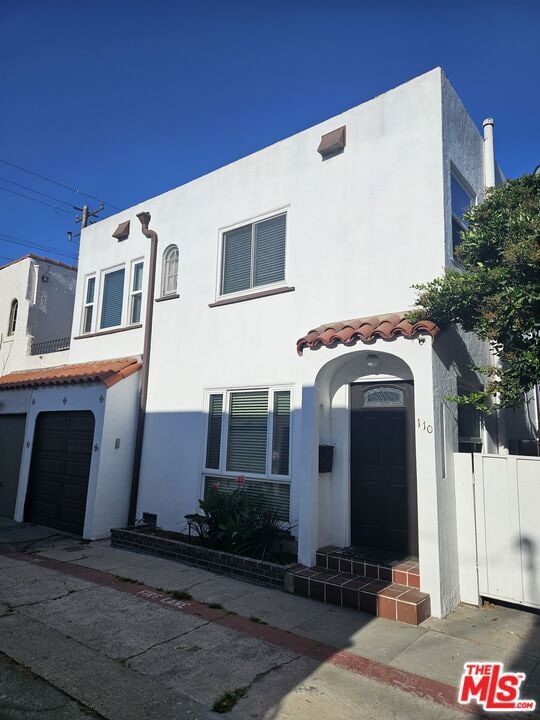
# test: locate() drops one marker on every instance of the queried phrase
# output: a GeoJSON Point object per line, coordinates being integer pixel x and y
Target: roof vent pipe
{"type": "Point", "coordinates": [489, 153]}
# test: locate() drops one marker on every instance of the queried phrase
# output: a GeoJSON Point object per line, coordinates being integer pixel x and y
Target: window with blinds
{"type": "Point", "coordinates": [248, 426]}
{"type": "Point", "coordinates": [248, 431]}
{"type": "Point", "coordinates": [254, 255]}
{"type": "Point", "coordinates": [113, 297]}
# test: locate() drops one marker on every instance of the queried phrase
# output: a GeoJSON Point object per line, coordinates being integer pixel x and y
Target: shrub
{"type": "Point", "coordinates": [234, 523]}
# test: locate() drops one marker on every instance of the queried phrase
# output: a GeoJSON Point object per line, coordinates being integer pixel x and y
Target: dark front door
{"type": "Point", "coordinates": [11, 446]}
{"type": "Point", "coordinates": [383, 468]}
{"type": "Point", "coordinates": [58, 482]}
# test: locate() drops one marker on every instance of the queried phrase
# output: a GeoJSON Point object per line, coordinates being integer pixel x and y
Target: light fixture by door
{"type": "Point", "coordinates": [372, 360]}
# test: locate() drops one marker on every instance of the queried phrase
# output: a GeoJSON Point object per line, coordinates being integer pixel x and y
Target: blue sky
{"type": "Point", "coordinates": [128, 98]}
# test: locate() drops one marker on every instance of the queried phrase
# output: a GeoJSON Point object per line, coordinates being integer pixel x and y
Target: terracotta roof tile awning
{"type": "Point", "coordinates": [109, 372]}
{"type": "Point", "coordinates": [367, 330]}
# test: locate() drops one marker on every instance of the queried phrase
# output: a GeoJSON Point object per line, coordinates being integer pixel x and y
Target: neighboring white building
{"type": "Point", "coordinates": [336, 222]}
{"type": "Point", "coordinates": [36, 312]}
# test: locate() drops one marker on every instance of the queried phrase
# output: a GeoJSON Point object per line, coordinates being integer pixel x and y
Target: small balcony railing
{"type": "Point", "coordinates": [50, 346]}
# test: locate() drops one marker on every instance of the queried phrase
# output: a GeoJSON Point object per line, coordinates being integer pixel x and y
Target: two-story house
{"type": "Point", "coordinates": [36, 314]}
{"type": "Point", "coordinates": [279, 347]}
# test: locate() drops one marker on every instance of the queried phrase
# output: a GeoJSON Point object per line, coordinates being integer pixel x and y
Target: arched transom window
{"type": "Point", "coordinates": [169, 279]}
{"type": "Point", "coordinates": [13, 317]}
{"type": "Point", "coordinates": [384, 396]}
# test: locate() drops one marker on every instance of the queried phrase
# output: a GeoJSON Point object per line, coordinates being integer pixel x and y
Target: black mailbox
{"type": "Point", "coordinates": [326, 454]}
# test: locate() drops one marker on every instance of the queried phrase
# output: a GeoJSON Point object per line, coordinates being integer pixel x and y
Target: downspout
{"type": "Point", "coordinates": [144, 218]}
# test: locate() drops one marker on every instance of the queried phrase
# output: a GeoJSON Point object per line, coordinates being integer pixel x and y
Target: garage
{"type": "Point", "coordinates": [11, 446]}
{"type": "Point", "coordinates": [58, 482]}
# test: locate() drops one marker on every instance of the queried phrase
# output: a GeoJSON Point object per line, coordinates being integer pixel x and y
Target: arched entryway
{"type": "Point", "coordinates": [366, 410]}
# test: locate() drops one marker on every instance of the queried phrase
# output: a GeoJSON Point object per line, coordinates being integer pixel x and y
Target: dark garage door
{"type": "Point", "coordinates": [58, 482]}
{"type": "Point", "coordinates": [11, 446]}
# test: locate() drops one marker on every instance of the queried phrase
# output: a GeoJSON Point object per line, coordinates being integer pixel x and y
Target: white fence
{"type": "Point", "coordinates": [498, 527]}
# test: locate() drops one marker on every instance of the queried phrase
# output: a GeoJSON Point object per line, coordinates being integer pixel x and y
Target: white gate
{"type": "Point", "coordinates": [505, 493]}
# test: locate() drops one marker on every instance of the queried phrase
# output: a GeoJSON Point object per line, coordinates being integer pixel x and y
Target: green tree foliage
{"type": "Point", "coordinates": [496, 294]}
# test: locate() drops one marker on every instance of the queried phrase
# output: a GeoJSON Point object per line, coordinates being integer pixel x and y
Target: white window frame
{"type": "Point", "coordinates": [226, 393]}
{"type": "Point", "coordinates": [221, 255]}
{"type": "Point", "coordinates": [467, 189]}
{"type": "Point", "coordinates": [164, 263]}
{"type": "Point", "coordinates": [13, 317]}
{"type": "Point", "coordinates": [133, 292]}
{"type": "Point", "coordinates": [103, 274]}
{"type": "Point", "coordinates": [85, 304]}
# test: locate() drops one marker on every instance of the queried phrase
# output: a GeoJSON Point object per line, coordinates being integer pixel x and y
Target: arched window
{"type": "Point", "coordinates": [13, 317]}
{"type": "Point", "coordinates": [169, 277]}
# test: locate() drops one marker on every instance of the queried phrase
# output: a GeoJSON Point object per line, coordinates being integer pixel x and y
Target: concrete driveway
{"type": "Point", "coordinates": [124, 635]}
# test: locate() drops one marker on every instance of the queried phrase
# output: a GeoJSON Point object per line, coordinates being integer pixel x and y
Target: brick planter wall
{"type": "Point", "coordinates": [260, 572]}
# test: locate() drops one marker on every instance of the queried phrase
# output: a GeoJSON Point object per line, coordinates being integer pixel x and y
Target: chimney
{"type": "Point", "coordinates": [489, 153]}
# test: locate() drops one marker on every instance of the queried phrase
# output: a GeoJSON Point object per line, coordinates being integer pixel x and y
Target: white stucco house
{"type": "Point", "coordinates": [279, 346]}
{"type": "Point", "coordinates": [36, 312]}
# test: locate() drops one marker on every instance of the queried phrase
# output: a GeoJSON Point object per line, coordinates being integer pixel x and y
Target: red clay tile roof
{"type": "Point", "coordinates": [366, 329]}
{"type": "Point", "coordinates": [109, 372]}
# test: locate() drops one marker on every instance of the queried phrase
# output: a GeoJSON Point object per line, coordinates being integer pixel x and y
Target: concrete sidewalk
{"type": "Point", "coordinates": [198, 660]}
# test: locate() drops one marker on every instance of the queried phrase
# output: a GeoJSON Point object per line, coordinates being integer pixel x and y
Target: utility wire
{"type": "Point", "coordinates": [41, 202]}
{"type": "Point", "coordinates": [55, 182]}
{"type": "Point", "coordinates": [35, 246]}
{"type": "Point", "coordinates": [38, 192]}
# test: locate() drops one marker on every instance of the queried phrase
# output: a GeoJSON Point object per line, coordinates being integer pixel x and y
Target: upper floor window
{"type": "Point", "coordinates": [113, 297]}
{"type": "Point", "coordinates": [135, 305]}
{"type": "Point", "coordinates": [462, 200]}
{"type": "Point", "coordinates": [253, 255]}
{"type": "Point", "coordinates": [12, 324]}
{"type": "Point", "coordinates": [169, 273]}
{"type": "Point", "coordinates": [89, 299]}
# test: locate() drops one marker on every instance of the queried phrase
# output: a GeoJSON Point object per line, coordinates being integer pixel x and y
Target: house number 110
{"type": "Point", "coordinates": [423, 426]}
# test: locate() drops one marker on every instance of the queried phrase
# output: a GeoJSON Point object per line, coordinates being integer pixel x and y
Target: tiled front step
{"type": "Point", "coordinates": [378, 597]}
{"type": "Point", "coordinates": [402, 572]}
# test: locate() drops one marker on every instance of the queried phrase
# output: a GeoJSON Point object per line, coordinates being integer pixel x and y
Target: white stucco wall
{"type": "Point", "coordinates": [45, 311]}
{"type": "Point", "coordinates": [51, 399]}
{"type": "Point", "coordinates": [109, 506]}
{"type": "Point", "coordinates": [362, 228]}
{"type": "Point", "coordinates": [114, 411]}
{"type": "Point", "coordinates": [15, 401]}
{"type": "Point", "coordinates": [378, 205]}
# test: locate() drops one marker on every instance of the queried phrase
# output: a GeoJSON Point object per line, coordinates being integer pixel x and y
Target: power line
{"type": "Point", "coordinates": [44, 248]}
{"type": "Point", "coordinates": [41, 202]}
{"type": "Point", "coordinates": [55, 182]}
{"type": "Point", "coordinates": [38, 192]}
